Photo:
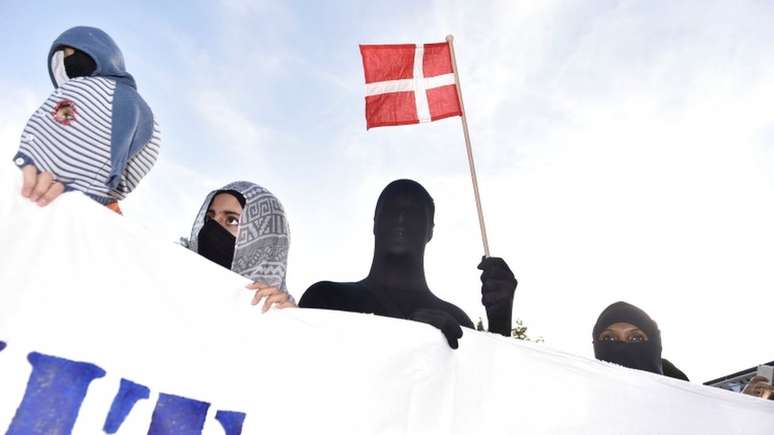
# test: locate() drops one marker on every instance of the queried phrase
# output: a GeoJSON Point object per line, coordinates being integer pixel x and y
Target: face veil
{"type": "Point", "coordinates": [79, 64]}
{"type": "Point", "coordinates": [216, 244]}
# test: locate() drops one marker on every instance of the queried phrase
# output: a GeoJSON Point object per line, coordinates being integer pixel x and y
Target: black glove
{"type": "Point", "coordinates": [442, 320]}
{"type": "Point", "coordinates": [498, 286]}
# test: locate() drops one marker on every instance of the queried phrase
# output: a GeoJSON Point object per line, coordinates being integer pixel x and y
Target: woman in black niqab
{"type": "Point", "coordinates": [626, 335]}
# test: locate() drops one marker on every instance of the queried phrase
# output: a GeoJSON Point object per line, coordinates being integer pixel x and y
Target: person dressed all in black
{"type": "Point", "coordinates": [396, 285]}
{"type": "Point", "coordinates": [626, 335]}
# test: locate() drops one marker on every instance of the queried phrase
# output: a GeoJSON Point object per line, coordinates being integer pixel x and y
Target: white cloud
{"type": "Point", "coordinates": [21, 102]}
{"type": "Point", "coordinates": [236, 134]}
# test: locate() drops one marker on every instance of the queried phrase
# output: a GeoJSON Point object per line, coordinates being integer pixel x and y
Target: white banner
{"type": "Point", "coordinates": [108, 330]}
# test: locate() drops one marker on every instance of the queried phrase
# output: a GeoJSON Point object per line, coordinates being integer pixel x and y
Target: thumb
{"type": "Point", "coordinates": [481, 265]}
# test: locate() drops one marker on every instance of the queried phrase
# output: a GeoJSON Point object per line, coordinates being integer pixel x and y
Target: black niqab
{"type": "Point", "coordinates": [644, 355]}
{"type": "Point", "coordinates": [216, 243]}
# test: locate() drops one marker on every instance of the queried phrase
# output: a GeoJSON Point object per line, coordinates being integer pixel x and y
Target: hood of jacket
{"type": "Point", "coordinates": [97, 44]}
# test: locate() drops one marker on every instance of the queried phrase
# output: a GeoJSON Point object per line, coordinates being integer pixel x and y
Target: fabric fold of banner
{"type": "Point", "coordinates": [89, 300]}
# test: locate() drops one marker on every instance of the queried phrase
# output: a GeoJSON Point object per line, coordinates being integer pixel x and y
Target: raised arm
{"type": "Point", "coordinates": [498, 285]}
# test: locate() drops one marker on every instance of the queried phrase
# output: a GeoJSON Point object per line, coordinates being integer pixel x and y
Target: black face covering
{"type": "Point", "coordinates": [79, 64]}
{"type": "Point", "coordinates": [216, 243]}
{"type": "Point", "coordinates": [644, 355]}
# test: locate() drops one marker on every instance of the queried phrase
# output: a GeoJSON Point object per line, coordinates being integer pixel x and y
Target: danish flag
{"type": "Point", "coordinates": [409, 84]}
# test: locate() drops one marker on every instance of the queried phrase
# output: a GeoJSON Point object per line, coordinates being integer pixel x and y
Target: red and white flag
{"type": "Point", "coordinates": [409, 84]}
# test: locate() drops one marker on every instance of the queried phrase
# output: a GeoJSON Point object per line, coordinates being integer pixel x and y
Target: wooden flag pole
{"type": "Point", "coordinates": [450, 40]}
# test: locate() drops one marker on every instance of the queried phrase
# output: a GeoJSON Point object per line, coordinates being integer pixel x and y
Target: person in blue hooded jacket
{"type": "Point", "coordinates": [94, 133]}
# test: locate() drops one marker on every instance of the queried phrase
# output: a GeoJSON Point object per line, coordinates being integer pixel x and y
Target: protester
{"type": "Point", "coordinates": [626, 335]}
{"type": "Point", "coordinates": [94, 133]}
{"type": "Point", "coordinates": [760, 386]}
{"type": "Point", "coordinates": [243, 227]}
{"type": "Point", "coordinates": [396, 284]}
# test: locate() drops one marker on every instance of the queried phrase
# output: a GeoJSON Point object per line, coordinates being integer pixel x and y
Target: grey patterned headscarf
{"type": "Point", "coordinates": [263, 240]}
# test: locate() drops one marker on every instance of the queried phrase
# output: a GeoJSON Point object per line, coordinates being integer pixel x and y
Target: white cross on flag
{"type": "Point", "coordinates": [409, 84]}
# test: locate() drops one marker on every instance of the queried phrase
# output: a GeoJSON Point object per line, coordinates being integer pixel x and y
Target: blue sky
{"type": "Point", "coordinates": [624, 148]}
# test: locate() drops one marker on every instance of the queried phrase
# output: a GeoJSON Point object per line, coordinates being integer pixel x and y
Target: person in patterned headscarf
{"type": "Point", "coordinates": [242, 227]}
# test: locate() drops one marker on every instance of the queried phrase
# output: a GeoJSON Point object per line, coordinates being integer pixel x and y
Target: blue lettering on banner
{"type": "Point", "coordinates": [175, 415]}
{"type": "Point", "coordinates": [55, 390]}
{"type": "Point", "coordinates": [231, 421]}
{"type": "Point", "coordinates": [57, 387]}
{"type": "Point", "coordinates": [128, 394]}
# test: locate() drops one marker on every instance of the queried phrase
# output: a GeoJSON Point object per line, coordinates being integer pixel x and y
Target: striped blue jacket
{"type": "Point", "coordinates": [94, 134]}
{"type": "Point", "coordinates": [70, 137]}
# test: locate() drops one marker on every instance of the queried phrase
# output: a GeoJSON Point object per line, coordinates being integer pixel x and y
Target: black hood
{"type": "Point", "coordinates": [641, 356]}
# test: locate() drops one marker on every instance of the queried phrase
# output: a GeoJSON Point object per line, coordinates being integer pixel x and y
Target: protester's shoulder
{"type": "Point", "coordinates": [328, 286]}
{"type": "Point", "coordinates": [323, 293]}
{"type": "Point", "coordinates": [457, 313]}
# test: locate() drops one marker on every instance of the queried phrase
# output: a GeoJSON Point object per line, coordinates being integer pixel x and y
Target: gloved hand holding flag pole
{"type": "Point", "coordinates": [413, 83]}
